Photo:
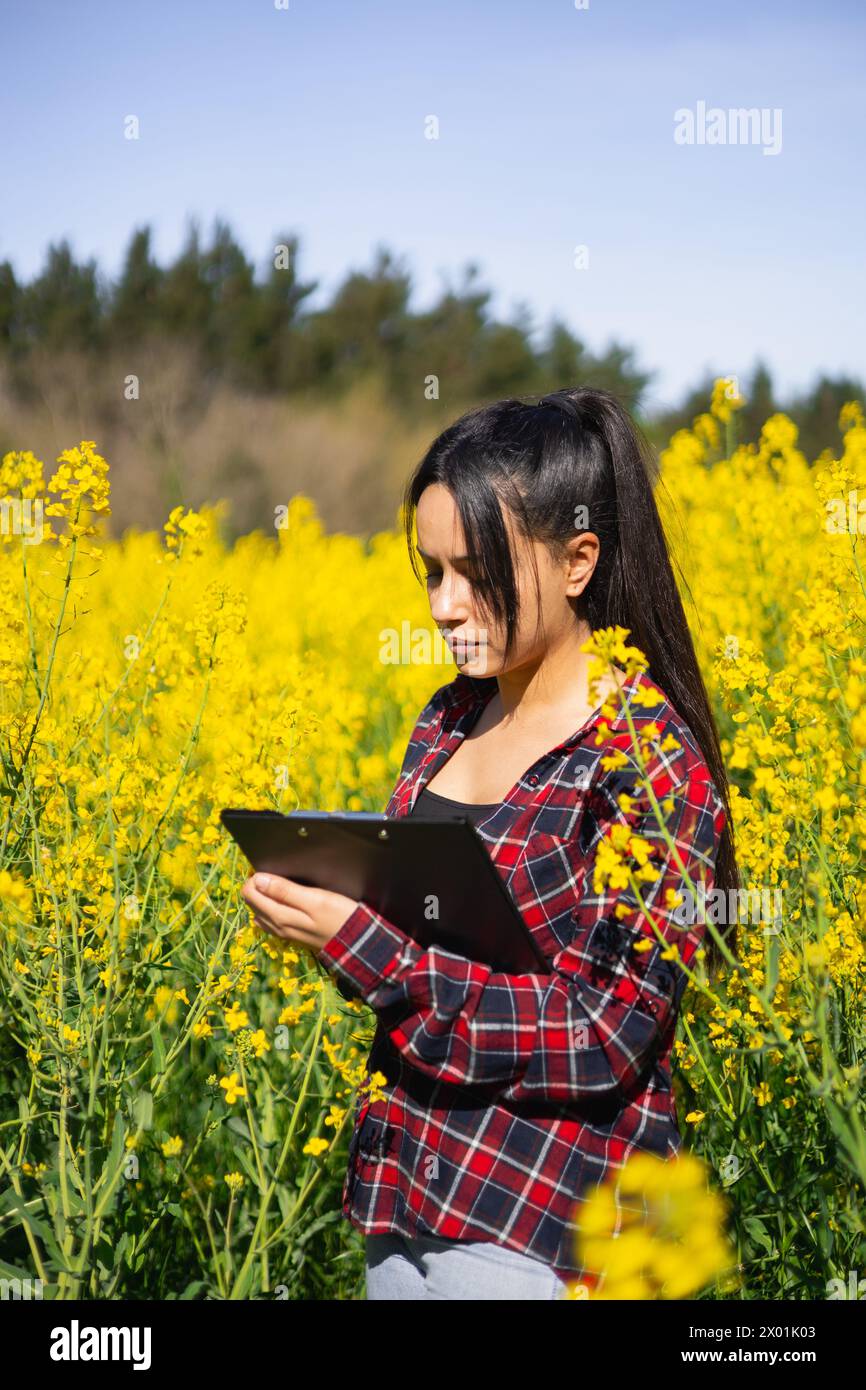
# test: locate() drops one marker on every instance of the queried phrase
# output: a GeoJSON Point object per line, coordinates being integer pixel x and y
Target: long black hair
{"type": "Point", "coordinates": [578, 448]}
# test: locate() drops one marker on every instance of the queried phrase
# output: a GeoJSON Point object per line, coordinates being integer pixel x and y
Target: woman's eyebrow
{"type": "Point", "coordinates": [457, 560]}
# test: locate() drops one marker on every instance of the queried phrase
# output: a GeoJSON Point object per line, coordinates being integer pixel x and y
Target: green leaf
{"type": "Point", "coordinates": [759, 1234]}
{"type": "Point", "coordinates": [13, 1272]}
{"type": "Point", "coordinates": [37, 1226]}
{"type": "Point", "coordinates": [327, 1219]}
{"type": "Point", "coordinates": [192, 1289]}
{"type": "Point", "coordinates": [118, 1136]}
{"type": "Point", "coordinates": [772, 965]}
{"type": "Point", "coordinates": [246, 1161]}
{"type": "Point", "coordinates": [142, 1110]}
{"type": "Point", "coordinates": [238, 1125]}
{"type": "Point", "coordinates": [283, 1201]}
{"type": "Point", "coordinates": [112, 1166]}
{"type": "Point", "coordinates": [158, 1051]}
{"type": "Point", "coordinates": [242, 1286]}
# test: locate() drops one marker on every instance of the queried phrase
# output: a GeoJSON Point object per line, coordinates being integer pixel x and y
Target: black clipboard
{"type": "Point", "coordinates": [408, 868]}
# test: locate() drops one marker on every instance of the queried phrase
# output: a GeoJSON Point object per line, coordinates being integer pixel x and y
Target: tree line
{"type": "Point", "coordinates": [260, 334]}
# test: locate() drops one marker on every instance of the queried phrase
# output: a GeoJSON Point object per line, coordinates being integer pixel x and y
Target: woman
{"type": "Point", "coordinates": [508, 1098]}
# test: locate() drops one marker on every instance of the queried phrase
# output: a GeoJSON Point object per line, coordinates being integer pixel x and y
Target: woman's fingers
{"type": "Point", "coordinates": [296, 911]}
{"type": "Point", "coordinates": [274, 911]}
{"type": "Point", "coordinates": [274, 903]}
{"type": "Point", "coordinates": [273, 888]}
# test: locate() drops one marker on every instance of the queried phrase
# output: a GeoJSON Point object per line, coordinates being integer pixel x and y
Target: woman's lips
{"type": "Point", "coordinates": [462, 648]}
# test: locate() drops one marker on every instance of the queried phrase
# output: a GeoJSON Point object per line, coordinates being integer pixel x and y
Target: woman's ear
{"type": "Point", "coordinates": [579, 561]}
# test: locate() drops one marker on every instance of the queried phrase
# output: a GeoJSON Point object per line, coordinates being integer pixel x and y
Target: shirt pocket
{"type": "Point", "coordinates": [554, 822]}
{"type": "Point", "coordinates": [546, 887]}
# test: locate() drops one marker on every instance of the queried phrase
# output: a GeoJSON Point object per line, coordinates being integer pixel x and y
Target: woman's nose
{"type": "Point", "coordinates": [449, 601]}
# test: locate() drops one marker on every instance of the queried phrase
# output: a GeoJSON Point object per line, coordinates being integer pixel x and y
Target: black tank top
{"type": "Point", "coordinates": [443, 808]}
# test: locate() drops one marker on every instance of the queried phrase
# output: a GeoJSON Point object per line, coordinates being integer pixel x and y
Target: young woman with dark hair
{"type": "Point", "coordinates": [508, 1098]}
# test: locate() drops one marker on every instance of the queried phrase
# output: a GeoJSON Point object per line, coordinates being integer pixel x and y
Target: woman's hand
{"type": "Point", "coordinates": [296, 911]}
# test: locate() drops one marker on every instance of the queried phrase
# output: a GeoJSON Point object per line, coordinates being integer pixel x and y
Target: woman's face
{"type": "Point", "coordinates": [478, 644]}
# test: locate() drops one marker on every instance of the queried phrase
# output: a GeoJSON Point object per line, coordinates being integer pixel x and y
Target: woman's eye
{"type": "Point", "coordinates": [437, 574]}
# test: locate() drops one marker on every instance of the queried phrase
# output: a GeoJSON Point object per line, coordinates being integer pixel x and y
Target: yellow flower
{"type": "Point", "coordinates": [15, 891]}
{"type": "Point", "coordinates": [232, 1087]}
{"type": "Point", "coordinates": [82, 482]}
{"type": "Point", "coordinates": [815, 953]}
{"type": "Point", "coordinates": [236, 1018]}
{"type": "Point", "coordinates": [653, 1230]}
{"type": "Point", "coordinates": [726, 398]}
{"type": "Point", "coordinates": [315, 1147]}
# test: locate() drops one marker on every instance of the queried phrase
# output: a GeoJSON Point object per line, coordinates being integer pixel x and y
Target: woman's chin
{"type": "Point", "coordinates": [471, 662]}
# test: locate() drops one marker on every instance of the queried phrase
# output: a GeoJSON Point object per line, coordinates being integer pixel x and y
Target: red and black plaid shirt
{"type": "Point", "coordinates": [510, 1097]}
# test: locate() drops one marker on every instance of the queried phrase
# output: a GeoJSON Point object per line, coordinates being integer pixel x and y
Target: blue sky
{"type": "Point", "coordinates": [555, 130]}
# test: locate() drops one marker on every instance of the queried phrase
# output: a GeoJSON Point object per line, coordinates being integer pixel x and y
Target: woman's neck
{"type": "Point", "coordinates": [529, 696]}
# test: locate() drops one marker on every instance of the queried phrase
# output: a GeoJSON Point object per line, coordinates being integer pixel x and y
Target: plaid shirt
{"type": "Point", "coordinates": [509, 1098]}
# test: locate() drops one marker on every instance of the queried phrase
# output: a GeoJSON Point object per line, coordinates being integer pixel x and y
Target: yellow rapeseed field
{"type": "Point", "coordinates": [176, 1089]}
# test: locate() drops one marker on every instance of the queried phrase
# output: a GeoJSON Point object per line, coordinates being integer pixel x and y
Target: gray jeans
{"type": "Point", "coordinates": [401, 1267]}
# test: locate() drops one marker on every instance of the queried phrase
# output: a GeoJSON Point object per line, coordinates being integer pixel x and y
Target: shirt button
{"type": "Point", "coordinates": [533, 780]}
